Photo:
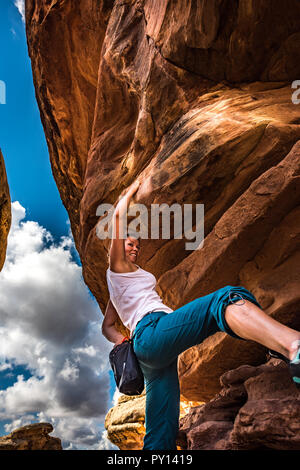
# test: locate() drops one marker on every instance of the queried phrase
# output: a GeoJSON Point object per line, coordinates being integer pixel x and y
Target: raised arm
{"type": "Point", "coordinates": [108, 325]}
{"type": "Point", "coordinates": [117, 249]}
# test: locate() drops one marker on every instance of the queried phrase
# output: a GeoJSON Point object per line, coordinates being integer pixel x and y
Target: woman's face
{"type": "Point", "coordinates": [132, 248]}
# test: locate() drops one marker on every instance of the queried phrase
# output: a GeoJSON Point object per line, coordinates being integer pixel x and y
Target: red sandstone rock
{"type": "Point", "coordinates": [194, 99]}
{"type": "Point", "coordinates": [257, 408]}
{"type": "Point", "coordinates": [5, 211]}
{"type": "Point", "coordinates": [270, 199]}
{"type": "Point", "coordinates": [31, 437]}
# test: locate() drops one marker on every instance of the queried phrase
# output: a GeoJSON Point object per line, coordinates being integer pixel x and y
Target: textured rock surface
{"type": "Point", "coordinates": [251, 229]}
{"type": "Point", "coordinates": [194, 99]}
{"type": "Point", "coordinates": [258, 408]}
{"type": "Point", "coordinates": [5, 211]}
{"type": "Point", "coordinates": [31, 437]}
{"type": "Point", "coordinates": [125, 422]}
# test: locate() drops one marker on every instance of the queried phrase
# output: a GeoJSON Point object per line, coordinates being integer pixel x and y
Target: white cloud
{"type": "Point", "coordinates": [17, 423]}
{"type": "Point", "coordinates": [5, 366]}
{"type": "Point", "coordinates": [69, 372]}
{"type": "Point", "coordinates": [116, 397]}
{"type": "Point", "coordinates": [20, 4]}
{"type": "Point", "coordinates": [50, 324]}
{"type": "Point", "coordinates": [88, 350]}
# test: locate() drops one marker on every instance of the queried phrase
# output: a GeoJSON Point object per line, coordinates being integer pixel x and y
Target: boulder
{"type": "Point", "coordinates": [31, 437]}
{"type": "Point", "coordinates": [258, 408]}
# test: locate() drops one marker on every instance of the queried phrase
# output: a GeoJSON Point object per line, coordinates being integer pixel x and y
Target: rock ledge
{"type": "Point", "coordinates": [31, 437]}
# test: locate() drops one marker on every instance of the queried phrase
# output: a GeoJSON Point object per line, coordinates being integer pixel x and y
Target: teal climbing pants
{"type": "Point", "coordinates": [159, 338]}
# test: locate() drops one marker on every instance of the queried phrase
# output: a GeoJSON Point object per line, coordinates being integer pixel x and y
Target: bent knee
{"type": "Point", "coordinates": [240, 307]}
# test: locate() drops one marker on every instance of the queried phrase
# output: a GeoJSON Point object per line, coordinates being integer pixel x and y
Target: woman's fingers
{"type": "Point", "coordinates": [135, 186]}
{"type": "Point", "coordinates": [145, 189]}
{"type": "Point", "coordinates": [130, 191]}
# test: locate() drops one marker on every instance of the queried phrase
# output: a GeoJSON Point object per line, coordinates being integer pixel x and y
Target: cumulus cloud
{"type": "Point", "coordinates": [116, 397]}
{"type": "Point", "coordinates": [50, 324]}
{"type": "Point", "coordinates": [5, 366]}
{"type": "Point", "coordinates": [20, 5]}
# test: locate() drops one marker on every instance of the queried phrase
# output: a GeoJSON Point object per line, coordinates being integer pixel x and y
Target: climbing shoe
{"type": "Point", "coordinates": [295, 367]}
{"type": "Point", "coordinates": [294, 364]}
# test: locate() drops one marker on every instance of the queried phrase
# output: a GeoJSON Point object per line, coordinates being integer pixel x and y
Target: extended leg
{"type": "Point", "coordinates": [162, 407]}
{"type": "Point", "coordinates": [250, 322]}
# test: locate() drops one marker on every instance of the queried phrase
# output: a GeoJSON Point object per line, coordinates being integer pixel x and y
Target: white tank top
{"type": "Point", "coordinates": [133, 295]}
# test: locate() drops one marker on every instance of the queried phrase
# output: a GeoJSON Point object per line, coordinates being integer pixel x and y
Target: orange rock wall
{"type": "Point", "coordinates": [194, 98]}
{"type": "Point", "coordinates": [5, 211]}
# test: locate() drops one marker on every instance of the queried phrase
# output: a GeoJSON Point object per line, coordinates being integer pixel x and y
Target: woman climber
{"type": "Point", "coordinates": [160, 334]}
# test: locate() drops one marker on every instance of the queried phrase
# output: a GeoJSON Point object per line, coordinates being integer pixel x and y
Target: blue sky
{"type": "Point", "coordinates": [22, 138]}
{"type": "Point", "coordinates": [50, 324]}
